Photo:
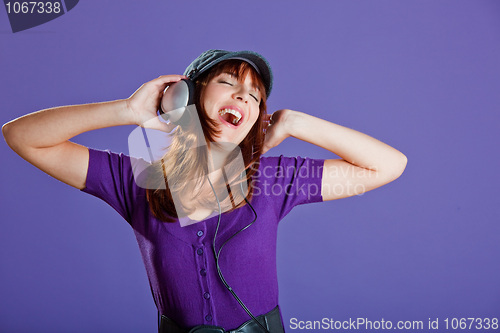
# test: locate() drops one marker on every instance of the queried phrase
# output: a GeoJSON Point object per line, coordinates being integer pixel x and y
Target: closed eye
{"type": "Point", "coordinates": [255, 97]}
{"type": "Point", "coordinates": [231, 84]}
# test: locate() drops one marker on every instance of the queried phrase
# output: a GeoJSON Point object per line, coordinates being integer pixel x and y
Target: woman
{"type": "Point", "coordinates": [215, 271]}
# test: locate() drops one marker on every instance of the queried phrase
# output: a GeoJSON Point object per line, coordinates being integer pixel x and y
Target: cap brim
{"type": "Point", "coordinates": [256, 60]}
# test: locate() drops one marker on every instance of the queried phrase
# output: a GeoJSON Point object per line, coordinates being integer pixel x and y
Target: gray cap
{"type": "Point", "coordinates": [212, 57]}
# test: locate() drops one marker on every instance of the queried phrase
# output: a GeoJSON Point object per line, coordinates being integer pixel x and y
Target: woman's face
{"type": "Point", "coordinates": [233, 104]}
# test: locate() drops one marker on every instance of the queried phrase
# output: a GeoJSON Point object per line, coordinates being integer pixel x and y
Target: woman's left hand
{"type": "Point", "coordinates": [278, 129]}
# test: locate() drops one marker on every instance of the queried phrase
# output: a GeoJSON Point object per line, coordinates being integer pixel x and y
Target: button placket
{"type": "Point", "coordinates": [202, 255]}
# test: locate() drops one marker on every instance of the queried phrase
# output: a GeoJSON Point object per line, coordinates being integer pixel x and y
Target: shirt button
{"type": "Point", "coordinates": [200, 233]}
{"type": "Point", "coordinates": [203, 272]}
{"type": "Point", "coordinates": [199, 251]}
{"type": "Point", "coordinates": [208, 317]}
{"type": "Point", "coordinates": [206, 295]}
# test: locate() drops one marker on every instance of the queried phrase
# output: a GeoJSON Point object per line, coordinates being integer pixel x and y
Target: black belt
{"type": "Point", "coordinates": [270, 320]}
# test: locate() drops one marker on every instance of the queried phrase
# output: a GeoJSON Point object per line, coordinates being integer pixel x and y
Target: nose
{"type": "Point", "coordinates": [241, 94]}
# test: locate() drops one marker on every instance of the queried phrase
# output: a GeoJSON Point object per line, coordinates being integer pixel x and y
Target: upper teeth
{"type": "Point", "coordinates": [233, 112]}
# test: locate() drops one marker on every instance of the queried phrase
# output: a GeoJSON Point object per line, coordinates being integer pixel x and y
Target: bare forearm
{"type": "Point", "coordinates": [354, 147]}
{"type": "Point", "coordinates": [50, 127]}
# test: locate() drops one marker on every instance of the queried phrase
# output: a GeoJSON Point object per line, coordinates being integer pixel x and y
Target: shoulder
{"type": "Point", "coordinates": [289, 161]}
{"type": "Point", "coordinates": [289, 181]}
{"type": "Point", "coordinates": [107, 167]}
{"type": "Point", "coordinates": [280, 160]}
{"type": "Point", "coordinates": [104, 158]}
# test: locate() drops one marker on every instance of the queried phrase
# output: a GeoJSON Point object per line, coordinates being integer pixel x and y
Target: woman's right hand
{"type": "Point", "coordinates": [42, 138]}
{"type": "Point", "coordinates": [143, 104]}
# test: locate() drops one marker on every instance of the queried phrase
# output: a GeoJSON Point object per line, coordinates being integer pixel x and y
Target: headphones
{"type": "Point", "coordinates": [176, 98]}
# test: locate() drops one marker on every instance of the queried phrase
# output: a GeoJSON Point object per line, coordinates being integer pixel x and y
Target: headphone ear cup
{"type": "Point", "coordinates": [176, 98]}
{"type": "Point", "coordinates": [191, 88]}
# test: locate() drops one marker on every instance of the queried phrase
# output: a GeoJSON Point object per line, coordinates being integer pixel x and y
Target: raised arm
{"type": "Point", "coordinates": [366, 163]}
{"type": "Point", "coordinates": [42, 138]}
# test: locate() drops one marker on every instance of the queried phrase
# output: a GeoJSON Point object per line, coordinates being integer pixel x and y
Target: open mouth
{"type": "Point", "coordinates": [230, 116]}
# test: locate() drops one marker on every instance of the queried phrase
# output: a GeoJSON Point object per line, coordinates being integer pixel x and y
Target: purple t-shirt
{"type": "Point", "coordinates": [179, 261]}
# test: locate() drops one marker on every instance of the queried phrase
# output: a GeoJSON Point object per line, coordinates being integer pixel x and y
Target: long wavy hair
{"type": "Point", "coordinates": [183, 169]}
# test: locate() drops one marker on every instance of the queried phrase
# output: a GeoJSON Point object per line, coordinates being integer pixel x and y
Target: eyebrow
{"type": "Point", "coordinates": [254, 86]}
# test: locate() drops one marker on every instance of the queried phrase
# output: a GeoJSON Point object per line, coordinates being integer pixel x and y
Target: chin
{"type": "Point", "coordinates": [234, 139]}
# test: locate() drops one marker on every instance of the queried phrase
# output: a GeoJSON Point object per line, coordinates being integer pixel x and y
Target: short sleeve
{"type": "Point", "coordinates": [289, 181]}
{"type": "Point", "coordinates": [110, 178]}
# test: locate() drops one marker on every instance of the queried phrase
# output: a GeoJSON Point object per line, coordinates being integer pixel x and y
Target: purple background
{"type": "Point", "coordinates": [423, 76]}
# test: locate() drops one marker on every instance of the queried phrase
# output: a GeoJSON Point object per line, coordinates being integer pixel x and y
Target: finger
{"type": "Point", "coordinates": [266, 122]}
{"type": "Point", "coordinates": [170, 127]}
{"type": "Point", "coordinates": [161, 82]}
{"type": "Point", "coordinates": [170, 78]}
